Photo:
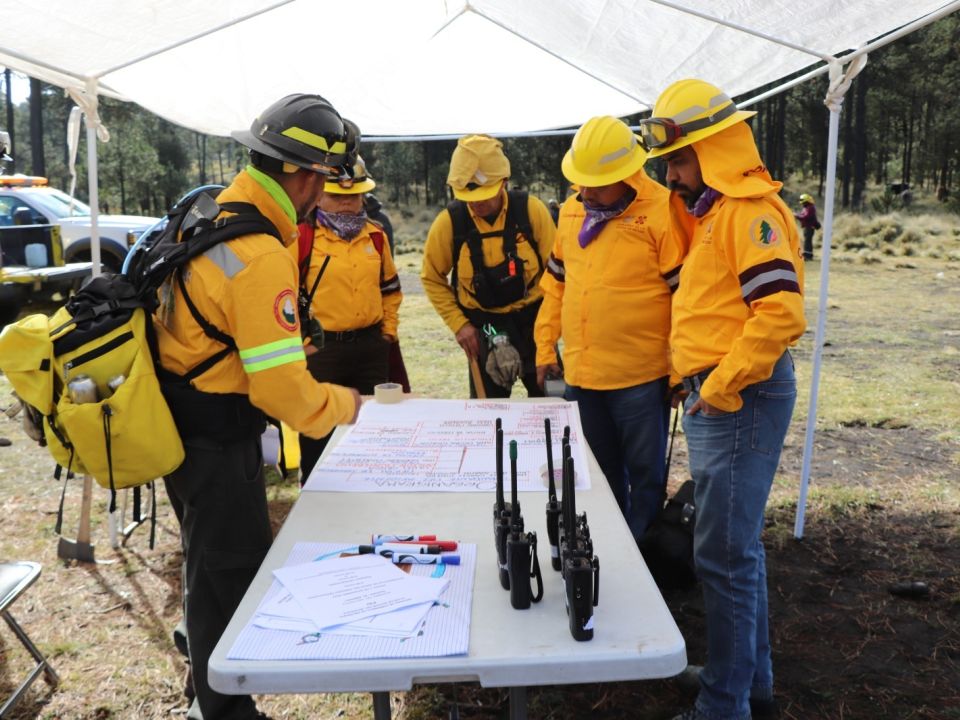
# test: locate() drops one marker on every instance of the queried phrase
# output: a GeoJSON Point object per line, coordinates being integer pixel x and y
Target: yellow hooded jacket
{"type": "Point", "coordinates": [359, 287]}
{"type": "Point", "coordinates": [739, 304]}
{"type": "Point", "coordinates": [610, 301]}
{"type": "Point", "coordinates": [247, 287]}
{"type": "Point", "coordinates": [438, 261]}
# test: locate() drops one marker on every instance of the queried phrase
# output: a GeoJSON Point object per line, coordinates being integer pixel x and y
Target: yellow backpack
{"type": "Point", "coordinates": [89, 372]}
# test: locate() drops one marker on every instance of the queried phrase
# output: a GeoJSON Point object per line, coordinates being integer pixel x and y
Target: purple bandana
{"type": "Point", "coordinates": [599, 215]}
{"type": "Point", "coordinates": [346, 225]}
{"type": "Point", "coordinates": [706, 200]}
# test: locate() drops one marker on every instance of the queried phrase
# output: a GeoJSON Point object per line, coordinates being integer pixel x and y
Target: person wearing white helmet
{"type": "Point", "coordinates": [607, 294]}
{"type": "Point", "coordinates": [737, 309]}
{"type": "Point", "coordinates": [807, 217]}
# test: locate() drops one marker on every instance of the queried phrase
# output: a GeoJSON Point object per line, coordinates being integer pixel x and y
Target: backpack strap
{"type": "Point", "coordinates": [316, 282]}
{"type": "Point", "coordinates": [247, 220]}
{"type": "Point", "coordinates": [516, 222]}
{"type": "Point", "coordinates": [304, 247]}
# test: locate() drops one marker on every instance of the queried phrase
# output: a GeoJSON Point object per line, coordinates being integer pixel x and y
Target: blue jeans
{"type": "Point", "coordinates": [733, 458]}
{"type": "Point", "coordinates": [627, 432]}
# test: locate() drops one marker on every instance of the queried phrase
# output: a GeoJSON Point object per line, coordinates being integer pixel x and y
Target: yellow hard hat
{"type": "Point", "coordinates": [805, 198]}
{"type": "Point", "coordinates": [603, 151]}
{"type": "Point", "coordinates": [354, 183]}
{"type": "Point", "coordinates": [686, 112]}
{"type": "Point", "coordinates": [477, 168]}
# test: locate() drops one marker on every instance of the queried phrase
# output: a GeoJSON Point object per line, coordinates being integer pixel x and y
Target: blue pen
{"type": "Point", "coordinates": [402, 558]}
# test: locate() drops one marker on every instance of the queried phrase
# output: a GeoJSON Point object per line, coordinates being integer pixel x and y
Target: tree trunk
{"type": "Point", "coordinates": [9, 93]}
{"type": "Point", "coordinates": [908, 144]}
{"type": "Point", "coordinates": [847, 156]}
{"type": "Point", "coordinates": [36, 128]}
{"type": "Point", "coordinates": [860, 141]}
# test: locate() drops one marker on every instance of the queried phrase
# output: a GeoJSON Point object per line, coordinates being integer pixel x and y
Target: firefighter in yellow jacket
{"type": "Point", "coordinates": [494, 245]}
{"type": "Point", "coordinates": [231, 354]}
{"type": "Point", "coordinates": [354, 294]}
{"type": "Point", "coordinates": [737, 308]}
{"type": "Point", "coordinates": [607, 294]}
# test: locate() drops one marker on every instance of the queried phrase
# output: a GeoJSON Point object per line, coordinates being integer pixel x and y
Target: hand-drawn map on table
{"type": "Point", "coordinates": [449, 446]}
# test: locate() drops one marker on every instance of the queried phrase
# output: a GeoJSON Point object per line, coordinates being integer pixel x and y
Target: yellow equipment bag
{"type": "Point", "coordinates": [89, 370]}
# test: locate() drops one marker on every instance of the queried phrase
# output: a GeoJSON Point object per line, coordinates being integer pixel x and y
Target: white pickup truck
{"type": "Point", "coordinates": [28, 200]}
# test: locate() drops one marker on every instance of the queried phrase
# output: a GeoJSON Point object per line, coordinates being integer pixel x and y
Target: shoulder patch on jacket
{"type": "Point", "coordinates": [285, 310]}
{"type": "Point", "coordinates": [765, 232]}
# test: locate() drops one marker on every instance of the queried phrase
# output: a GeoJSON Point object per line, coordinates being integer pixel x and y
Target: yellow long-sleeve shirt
{"type": "Point", "coordinates": [610, 301]}
{"type": "Point", "coordinates": [438, 261]}
{"type": "Point", "coordinates": [247, 287]}
{"type": "Point", "coordinates": [359, 287]}
{"type": "Point", "coordinates": [739, 303]}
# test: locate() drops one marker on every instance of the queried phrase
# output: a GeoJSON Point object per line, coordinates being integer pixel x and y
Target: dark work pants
{"type": "Point", "coordinates": [808, 243]}
{"type": "Point", "coordinates": [225, 533]}
{"type": "Point", "coordinates": [360, 363]}
{"type": "Point", "coordinates": [518, 326]}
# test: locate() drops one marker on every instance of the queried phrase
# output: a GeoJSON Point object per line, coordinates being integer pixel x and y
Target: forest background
{"type": "Point", "coordinates": [899, 128]}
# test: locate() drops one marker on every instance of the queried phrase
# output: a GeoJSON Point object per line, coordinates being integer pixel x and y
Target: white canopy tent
{"type": "Point", "coordinates": [429, 67]}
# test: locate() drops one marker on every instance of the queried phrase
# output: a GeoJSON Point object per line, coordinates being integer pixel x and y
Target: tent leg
{"type": "Point", "coordinates": [821, 320]}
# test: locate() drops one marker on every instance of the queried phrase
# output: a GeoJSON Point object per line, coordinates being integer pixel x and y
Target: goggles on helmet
{"type": "Point", "coordinates": [659, 132]}
{"type": "Point", "coordinates": [347, 181]}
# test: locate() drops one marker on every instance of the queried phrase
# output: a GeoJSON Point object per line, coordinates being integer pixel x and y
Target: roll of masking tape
{"type": "Point", "coordinates": [388, 393]}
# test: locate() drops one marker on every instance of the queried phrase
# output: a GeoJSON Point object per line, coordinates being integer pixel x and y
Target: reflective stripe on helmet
{"type": "Point", "coordinates": [316, 141]}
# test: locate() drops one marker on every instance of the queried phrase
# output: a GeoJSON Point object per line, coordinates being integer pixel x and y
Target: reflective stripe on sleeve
{"type": "Point", "coordinates": [390, 286]}
{"type": "Point", "coordinates": [279, 352]}
{"type": "Point", "coordinates": [555, 267]}
{"type": "Point", "coordinates": [768, 278]}
{"type": "Point", "coordinates": [672, 278]}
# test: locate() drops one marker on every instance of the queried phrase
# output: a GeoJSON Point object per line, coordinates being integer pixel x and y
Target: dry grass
{"type": "Point", "coordinates": [884, 505]}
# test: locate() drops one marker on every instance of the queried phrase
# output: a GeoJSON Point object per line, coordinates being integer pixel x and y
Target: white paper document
{"type": "Point", "coordinates": [449, 445]}
{"type": "Point", "coordinates": [346, 589]}
{"type": "Point", "coordinates": [281, 630]}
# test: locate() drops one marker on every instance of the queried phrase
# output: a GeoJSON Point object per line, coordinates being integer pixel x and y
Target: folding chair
{"type": "Point", "coordinates": [15, 577]}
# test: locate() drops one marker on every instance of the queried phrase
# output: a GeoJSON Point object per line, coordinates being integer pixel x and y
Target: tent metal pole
{"type": "Point", "coordinates": [91, 120]}
{"type": "Point", "coordinates": [821, 319]}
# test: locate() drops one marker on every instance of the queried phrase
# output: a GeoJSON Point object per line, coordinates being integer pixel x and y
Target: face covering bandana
{"type": "Point", "coordinates": [346, 225]}
{"type": "Point", "coordinates": [600, 215]}
{"type": "Point", "coordinates": [703, 203]}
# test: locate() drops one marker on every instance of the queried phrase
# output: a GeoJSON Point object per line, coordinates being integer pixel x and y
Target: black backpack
{"type": "Point", "coordinates": [503, 284]}
{"type": "Point", "coordinates": [190, 229]}
{"type": "Point", "coordinates": [667, 546]}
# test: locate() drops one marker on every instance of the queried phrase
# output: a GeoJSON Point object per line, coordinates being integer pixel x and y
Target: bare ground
{"type": "Point", "coordinates": [843, 646]}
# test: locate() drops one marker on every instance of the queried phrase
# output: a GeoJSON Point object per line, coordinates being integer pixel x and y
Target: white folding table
{"type": "Point", "coordinates": [635, 636]}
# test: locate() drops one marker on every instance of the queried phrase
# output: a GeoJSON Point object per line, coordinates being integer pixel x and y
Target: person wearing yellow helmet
{"type": "Point", "coordinates": [350, 284]}
{"type": "Point", "coordinates": [807, 217]}
{"type": "Point", "coordinates": [607, 294]}
{"type": "Point", "coordinates": [230, 355]}
{"type": "Point", "coordinates": [737, 309]}
{"type": "Point", "coordinates": [494, 244]}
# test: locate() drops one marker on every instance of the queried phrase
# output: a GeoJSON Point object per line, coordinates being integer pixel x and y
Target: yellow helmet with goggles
{"type": "Point", "coordinates": [806, 198]}
{"type": "Point", "coordinates": [354, 182]}
{"type": "Point", "coordinates": [604, 151]}
{"type": "Point", "coordinates": [686, 112]}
